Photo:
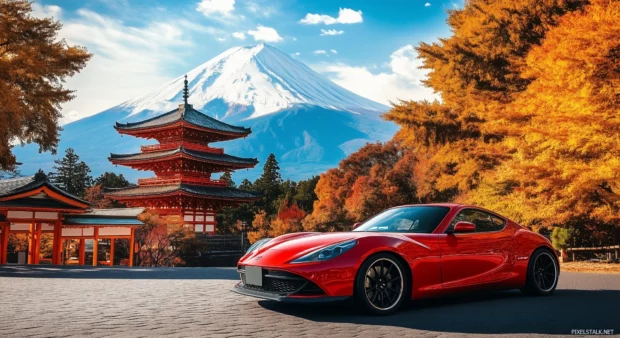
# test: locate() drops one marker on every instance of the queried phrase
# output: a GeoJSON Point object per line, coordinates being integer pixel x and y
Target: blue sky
{"type": "Point", "coordinates": [365, 46]}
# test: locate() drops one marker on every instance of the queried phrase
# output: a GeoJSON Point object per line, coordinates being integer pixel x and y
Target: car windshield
{"type": "Point", "coordinates": [415, 219]}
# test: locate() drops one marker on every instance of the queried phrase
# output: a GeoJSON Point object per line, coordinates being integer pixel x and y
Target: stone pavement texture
{"type": "Point", "coordinates": [196, 302]}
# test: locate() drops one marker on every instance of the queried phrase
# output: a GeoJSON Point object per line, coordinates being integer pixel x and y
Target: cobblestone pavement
{"type": "Point", "coordinates": [185, 302]}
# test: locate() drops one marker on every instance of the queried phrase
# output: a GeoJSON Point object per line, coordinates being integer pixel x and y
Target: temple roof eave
{"type": "Point", "coordinates": [211, 192]}
{"type": "Point", "coordinates": [207, 157]}
{"type": "Point", "coordinates": [184, 114]}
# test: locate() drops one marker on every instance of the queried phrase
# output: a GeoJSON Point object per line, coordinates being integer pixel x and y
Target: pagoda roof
{"type": "Point", "coordinates": [184, 113]}
{"type": "Point", "coordinates": [17, 189]}
{"type": "Point", "coordinates": [213, 192]}
{"type": "Point", "coordinates": [198, 155]}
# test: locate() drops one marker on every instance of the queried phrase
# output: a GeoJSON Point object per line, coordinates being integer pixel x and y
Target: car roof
{"type": "Point", "coordinates": [449, 205]}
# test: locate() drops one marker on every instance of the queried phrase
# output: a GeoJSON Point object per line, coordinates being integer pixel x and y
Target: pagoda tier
{"type": "Point", "coordinates": [196, 205]}
{"type": "Point", "coordinates": [183, 160]}
{"type": "Point", "coordinates": [183, 123]}
{"type": "Point", "coordinates": [183, 163]}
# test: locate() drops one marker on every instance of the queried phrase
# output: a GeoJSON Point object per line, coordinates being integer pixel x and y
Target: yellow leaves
{"type": "Point", "coordinates": [33, 67]}
{"type": "Point", "coordinates": [528, 126]}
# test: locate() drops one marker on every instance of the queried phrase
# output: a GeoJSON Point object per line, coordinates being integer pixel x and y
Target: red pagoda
{"type": "Point", "coordinates": [183, 163]}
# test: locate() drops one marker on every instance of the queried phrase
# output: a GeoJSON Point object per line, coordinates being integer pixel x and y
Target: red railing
{"type": "Point", "coordinates": [174, 145]}
{"type": "Point", "coordinates": [178, 179]}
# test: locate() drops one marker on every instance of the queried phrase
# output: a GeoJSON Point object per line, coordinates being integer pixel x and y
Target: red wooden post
{"type": "Point", "coordinates": [112, 251]}
{"type": "Point", "coordinates": [37, 243]}
{"type": "Point", "coordinates": [132, 241]}
{"type": "Point", "coordinates": [30, 244]}
{"type": "Point", "coordinates": [4, 237]}
{"type": "Point", "coordinates": [96, 247]}
{"type": "Point", "coordinates": [82, 251]}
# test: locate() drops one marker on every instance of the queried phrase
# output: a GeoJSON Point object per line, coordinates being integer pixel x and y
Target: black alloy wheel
{"type": "Point", "coordinates": [542, 273]}
{"type": "Point", "coordinates": [381, 284]}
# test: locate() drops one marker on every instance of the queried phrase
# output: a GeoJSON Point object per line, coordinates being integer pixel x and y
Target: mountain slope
{"type": "Point", "coordinates": [309, 122]}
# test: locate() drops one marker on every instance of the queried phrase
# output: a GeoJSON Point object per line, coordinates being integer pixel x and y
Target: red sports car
{"type": "Point", "coordinates": [407, 252]}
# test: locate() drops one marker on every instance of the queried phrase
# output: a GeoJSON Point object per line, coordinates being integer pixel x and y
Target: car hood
{"type": "Point", "coordinates": [304, 241]}
{"type": "Point", "coordinates": [287, 247]}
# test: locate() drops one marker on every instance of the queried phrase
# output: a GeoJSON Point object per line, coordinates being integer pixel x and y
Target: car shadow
{"type": "Point", "coordinates": [506, 312]}
{"type": "Point", "coordinates": [105, 272]}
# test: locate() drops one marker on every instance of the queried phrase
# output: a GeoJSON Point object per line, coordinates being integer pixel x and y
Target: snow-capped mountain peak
{"type": "Point", "coordinates": [256, 80]}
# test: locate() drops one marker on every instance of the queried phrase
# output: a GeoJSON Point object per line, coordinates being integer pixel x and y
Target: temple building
{"type": "Point", "coordinates": [42, 224]}
{"type": "Point", "coordinates": [183, 162]}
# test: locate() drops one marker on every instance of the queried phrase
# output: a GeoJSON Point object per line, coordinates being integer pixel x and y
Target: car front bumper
{"type": "Point", "coordinates": [243, 290]}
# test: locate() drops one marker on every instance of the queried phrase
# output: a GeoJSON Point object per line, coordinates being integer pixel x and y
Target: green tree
{"type": "Point", "coordinates": [111, 180]}
{"type": "Point", "coordinates": [34, 65]}
{"type": "Point", "coordinates": [246, 185]}
{"type": "Point", "coordinates": [270, 184]}
{"type": "Point", "coordinates": [71, 174]}
{"type": "Point", "coordinates": [305, 194]}
{"type": "Point", "coordinates": [227, 176]}
{"type": "Point", "coordinates": [560, 238]}
{"type": "Point", "coordinates": [40, 175]}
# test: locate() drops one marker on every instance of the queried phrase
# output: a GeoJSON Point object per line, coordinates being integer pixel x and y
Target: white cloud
{"type": "Point", "coordinates": [325, 32]}
{"type": "Point", "coordinates": [41, 12]}
{"type": "Point", "coordinates": [221, 39]}
{"type": "Point", "coordinates": [261, 10]}
{"type": "Point", "coordinates": [239, 35]}
{"type": "Point", "coordinates": [266, 34]}
{"type": "Point", "coordinates": [320, 51]}
{"type": "Point", "coordinates": [428, 4]}
{"type": "Point", "coordinates": [345, 16]}
{"type": "Point", "coordinates": [192, 26]}
{"type": "Point", "coordinates": [333, 51]}
{"type": "Point", "coordinates": [296, 54]}
{"type": "Point", "coordinates": [69, 116]}
{"type": "Point", "coordinates": [403, 81]}
{"type": "Point", "coordinates": [214, 8]}
{"type": "Point", "coordinates": [128, 61]}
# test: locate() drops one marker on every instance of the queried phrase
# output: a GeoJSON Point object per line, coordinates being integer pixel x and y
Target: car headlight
{"type": "Point", "coordinates": [326, 253]}
{"type": "Point", "coordinates": [258, 244]}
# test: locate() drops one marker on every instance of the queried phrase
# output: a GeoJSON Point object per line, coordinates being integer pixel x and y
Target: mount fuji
{"type": "Point", "coordinates": [307, 121]}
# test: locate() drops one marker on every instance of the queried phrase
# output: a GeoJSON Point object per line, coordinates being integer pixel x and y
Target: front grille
{"type": "Point", "coordinates": [281, 282]}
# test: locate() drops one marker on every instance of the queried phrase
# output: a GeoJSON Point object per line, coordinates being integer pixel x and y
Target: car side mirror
{"type": "Point", "coordinates": [464, 227]}
{"type": "Point", "coordinates": [357, 224]}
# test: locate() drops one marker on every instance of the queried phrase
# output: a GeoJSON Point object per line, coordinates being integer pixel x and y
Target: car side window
{"type": "Point", "coordinates": [484, 221]}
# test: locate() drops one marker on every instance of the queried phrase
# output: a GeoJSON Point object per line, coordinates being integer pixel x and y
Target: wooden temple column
{"type": "Point", "coordinates": [132, 244]}
{"type": "Point", "coordinates": [57, 243]}
{"type": "Point", "coordinates": [4, 243]}
{"type": "Point", "coordinates": [30, 243]}
{"type": "Point", "coordinates": [96, 246]}
{"type": "Point", "coordinates": [82, 251]}
{"type": "Point", "coordinates": [37, 243]}
{"type": "Point", "coordinates": [112, 251]}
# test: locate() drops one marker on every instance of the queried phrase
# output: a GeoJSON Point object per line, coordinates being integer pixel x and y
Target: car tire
{"type": "Point", "coordinates": [543, 273]}
{"type": "Point", "coordinates": [382, 284]}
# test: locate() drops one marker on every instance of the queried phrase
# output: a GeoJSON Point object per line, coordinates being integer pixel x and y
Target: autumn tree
{"type": "Point", "coordinates": [164, 242]}
{"type": "Point", "coordinates": [70, 174]}
{"type": "Point", "coordinates": [563, 130]}
{"type": "Point", "coordinates": [527, 124]}
{"type": "Point", "coordinates": [34, 64]}
{"type": "Point", "coordinates": [476, 71]}
{"type": "Point", "coordinates": [260, 227]}
{"type": "Point", "coordinates": [94, 196]}
{"type": "Point", "coordinates": [375, 177]}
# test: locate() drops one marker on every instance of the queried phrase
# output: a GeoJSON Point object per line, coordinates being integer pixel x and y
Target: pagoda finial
{"type": "Point", "coordinates": [185, 91]}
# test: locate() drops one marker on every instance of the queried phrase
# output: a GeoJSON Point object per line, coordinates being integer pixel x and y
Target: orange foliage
{"type": "Point", "coordinates": [94, 196]}
{"type": "Point", "coordinates": [528, 124]}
